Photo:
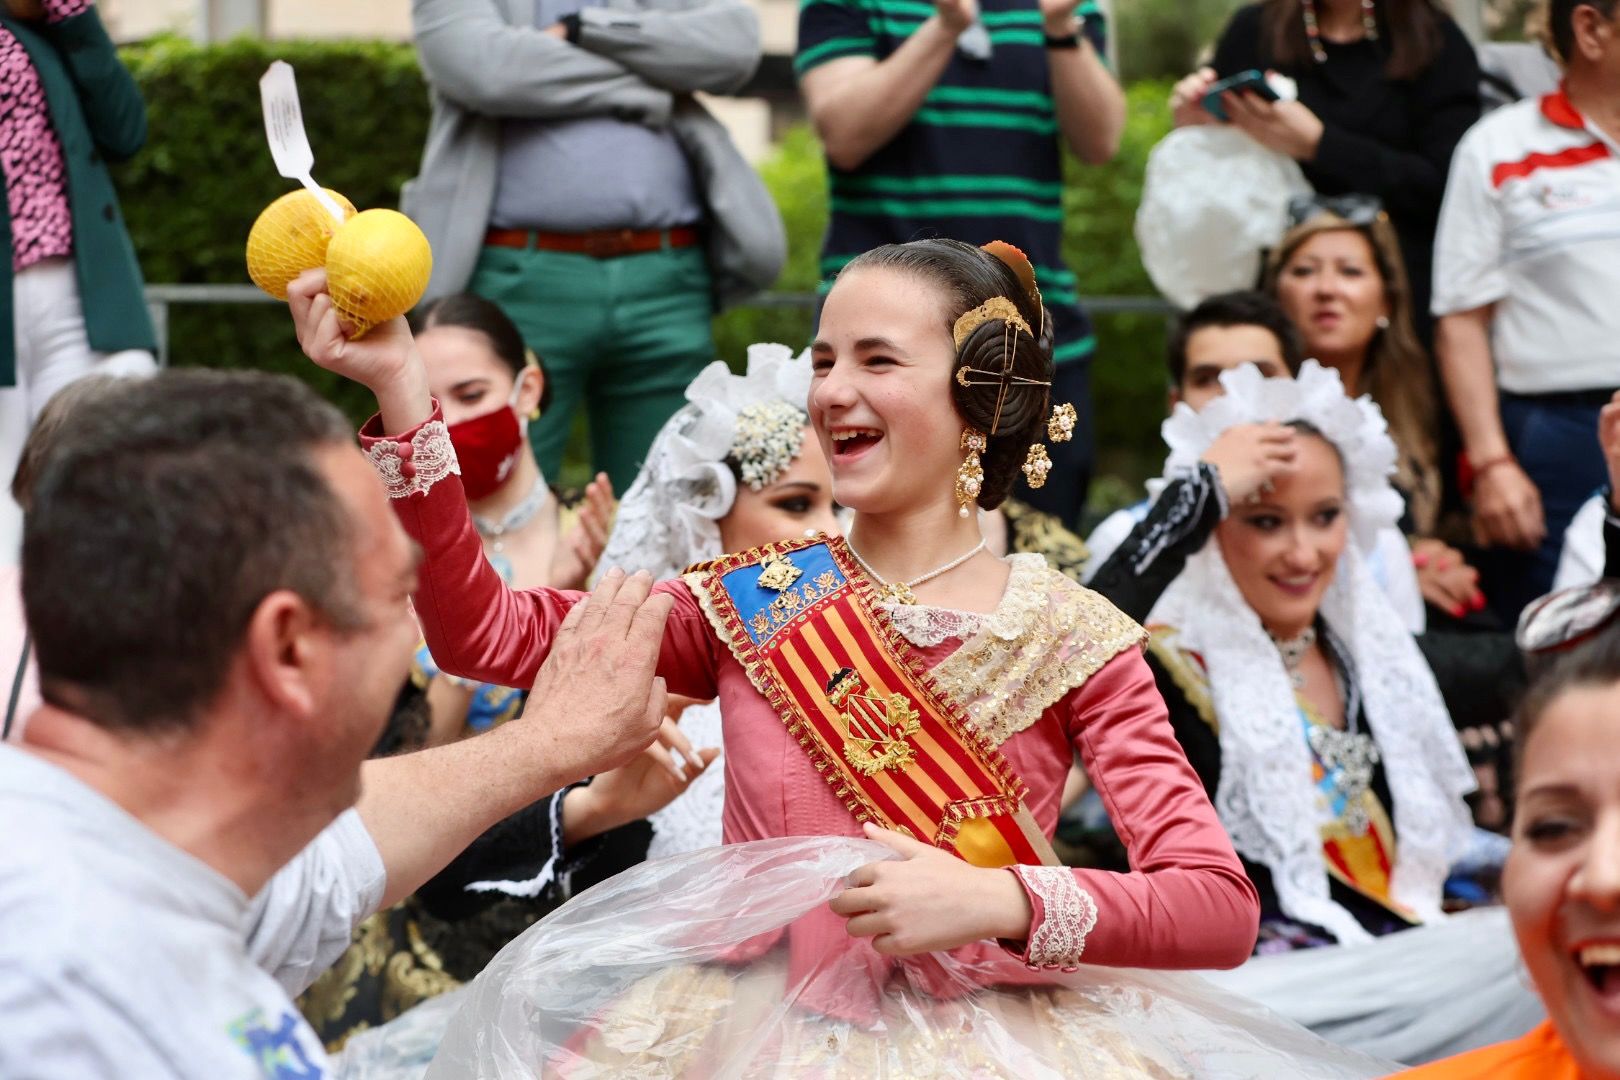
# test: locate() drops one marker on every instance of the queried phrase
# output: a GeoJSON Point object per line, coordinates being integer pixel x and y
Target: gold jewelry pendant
{"type": "Point", "coordinates": [970, 477]}
{"type": "Point", "coordinates": [1037, 465]}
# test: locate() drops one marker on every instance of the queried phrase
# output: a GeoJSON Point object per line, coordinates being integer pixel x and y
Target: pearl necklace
{"type": "Point", "coordinates": [900, 592]}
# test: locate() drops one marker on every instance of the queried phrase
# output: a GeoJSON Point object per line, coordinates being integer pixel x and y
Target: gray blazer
{"type": "Point", "coordinates": [639, 60]}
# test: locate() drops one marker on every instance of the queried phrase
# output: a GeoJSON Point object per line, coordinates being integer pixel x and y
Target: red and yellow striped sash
{"type": "Point", "coordinates": [802, 620]}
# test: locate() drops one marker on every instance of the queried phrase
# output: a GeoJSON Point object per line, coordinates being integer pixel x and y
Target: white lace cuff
{"type": "Point", "coordinates": [1064, 914]}
{"type": "Point", "coordinates": [413, 467]}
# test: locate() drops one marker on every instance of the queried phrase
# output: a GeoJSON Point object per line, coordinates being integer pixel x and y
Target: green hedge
{"type": "Point", "coordinates": [192, 194]}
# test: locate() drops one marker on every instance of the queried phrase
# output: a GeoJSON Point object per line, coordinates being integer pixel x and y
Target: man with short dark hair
{"type": "Point", "coordinates": [218, 596]}
{"type": "Point", "coordinates": [1526, 271]}
{"type": "Point", "coordinates": [1228, 331]}
{"type": "Point", "coordinates": [1222, 333]}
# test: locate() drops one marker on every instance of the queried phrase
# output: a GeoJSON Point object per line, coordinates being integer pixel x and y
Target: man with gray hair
{"type": "Point", "coordinates": [218, 597]}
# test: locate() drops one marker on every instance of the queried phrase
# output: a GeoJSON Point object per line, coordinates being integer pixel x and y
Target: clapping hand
{"type": "Point", "coordinates": [651, 781]}
{"type": "Point", "coordinates": [582, 546]}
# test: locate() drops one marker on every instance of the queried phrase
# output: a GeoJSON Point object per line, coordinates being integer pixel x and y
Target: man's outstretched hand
{"type": "Point", "coordinates": [597, 695]}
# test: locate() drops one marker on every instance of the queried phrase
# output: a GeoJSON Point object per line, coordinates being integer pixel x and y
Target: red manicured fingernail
{"type": "Point", "coordinates": [1459, 611]}
{"type": "Point", "coordinates": [1479, 601]}
{"type": "Point", "coordinates": [1420, 561]}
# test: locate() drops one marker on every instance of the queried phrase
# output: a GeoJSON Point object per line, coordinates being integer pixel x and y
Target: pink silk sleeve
{"type": "Point", "coordinates": [475, 625]}
{"type": "Point", "coordinates": [1187, 902]}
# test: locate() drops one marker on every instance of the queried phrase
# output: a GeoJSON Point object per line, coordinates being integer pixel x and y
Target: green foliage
{"type": "Point", "coordinates": [1165, 39]}
{"type": "Point", "coordinates": [1127, 375]}
{"type": "Point", "coordinates": [191, 196]}
{"type": "Point", "coordinates": [797, 177]}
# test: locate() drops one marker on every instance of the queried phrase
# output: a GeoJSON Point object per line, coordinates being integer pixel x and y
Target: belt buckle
{"type": "Point", "coordinates": [609, 245]}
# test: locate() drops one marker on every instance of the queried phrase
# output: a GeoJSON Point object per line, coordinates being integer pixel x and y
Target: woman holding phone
{"type": "Point", "coordinates": [1386, 88]}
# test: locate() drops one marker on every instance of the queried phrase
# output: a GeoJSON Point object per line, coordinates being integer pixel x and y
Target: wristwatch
{"type": "Point", "coordinates": [1070, 40]}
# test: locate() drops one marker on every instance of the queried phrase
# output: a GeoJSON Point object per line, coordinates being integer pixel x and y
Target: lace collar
{"type": "Point", "coordinates": [928, 626]}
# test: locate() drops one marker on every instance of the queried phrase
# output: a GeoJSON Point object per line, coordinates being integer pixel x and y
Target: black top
{"type": "Point", "coordinates": [1380, 137]}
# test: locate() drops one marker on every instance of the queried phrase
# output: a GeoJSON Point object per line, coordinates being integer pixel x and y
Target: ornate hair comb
{"type": "Point", "coordinates": [997, 307]}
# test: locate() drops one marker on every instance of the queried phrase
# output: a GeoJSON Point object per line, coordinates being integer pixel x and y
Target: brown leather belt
{"type": "Point", "coordinates": [603, 244]}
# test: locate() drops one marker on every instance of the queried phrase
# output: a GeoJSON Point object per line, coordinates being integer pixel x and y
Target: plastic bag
{"type": "Point", "coordinates": [1212, 201]}
{"type": "Point", "coordinates": [719, 963]}
{"type": "Point", "coordinates": [401, 1048]}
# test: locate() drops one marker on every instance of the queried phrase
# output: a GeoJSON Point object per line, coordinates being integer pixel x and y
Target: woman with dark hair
{"type": "Point", "coordinates": [902, 682]}
{"type": "Point", "coordinates": [1343, 285]}
{"type": "Point", "coordinates": [1386, 90]}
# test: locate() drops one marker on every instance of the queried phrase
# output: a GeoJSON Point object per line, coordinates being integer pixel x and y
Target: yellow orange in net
{"type": "Point", "coordinates": [377, 267]}
{"type": "Point", "coordinates": [290, 237]}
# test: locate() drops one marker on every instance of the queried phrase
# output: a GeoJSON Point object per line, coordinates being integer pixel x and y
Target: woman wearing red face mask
{"type": "Point", "coordinates": [491, 386]}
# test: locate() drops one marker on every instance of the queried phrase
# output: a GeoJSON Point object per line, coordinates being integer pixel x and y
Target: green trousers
{"type": "Point", "coordinates": [620, 338]}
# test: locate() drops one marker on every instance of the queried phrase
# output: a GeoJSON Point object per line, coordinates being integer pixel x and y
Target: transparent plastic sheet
{"type": "Point", "coordinates": [686, 967]}
{"type": "Point", "coordinates": [1213, 199]}
{"type": "Point", "coordinates": [1417, 996]}
{"type": "Point", "coordinates": [402, 1048]}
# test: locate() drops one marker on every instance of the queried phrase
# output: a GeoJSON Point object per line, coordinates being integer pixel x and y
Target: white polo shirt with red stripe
{"type": "Point", "coordinates": [1531, 224]}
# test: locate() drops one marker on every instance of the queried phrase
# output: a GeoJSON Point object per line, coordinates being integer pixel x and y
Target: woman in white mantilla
{"type": "Point", "coordinates": [735, 468]}
{"type": "Point", "coordinates": [1321, 733]}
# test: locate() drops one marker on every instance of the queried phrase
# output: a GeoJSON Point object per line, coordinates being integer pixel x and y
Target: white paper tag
{"type": "Point", "coordinates": [284, 129]}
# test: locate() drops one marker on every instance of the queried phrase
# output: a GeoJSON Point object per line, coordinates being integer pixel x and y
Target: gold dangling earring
{"type": "Point", "coordinates": [970, 477]}
{"type": "Point", "coordinates": [1060, 428]}
{"type": "Point", "coordinates": [1037, 465]}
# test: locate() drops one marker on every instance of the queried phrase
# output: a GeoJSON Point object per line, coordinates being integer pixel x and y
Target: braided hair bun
{"type": "Point", "coordinates": [1001, 383]}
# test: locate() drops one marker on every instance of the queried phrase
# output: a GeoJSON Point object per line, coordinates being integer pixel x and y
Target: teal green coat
{"type": "Point", "coordinates": [98, 115]}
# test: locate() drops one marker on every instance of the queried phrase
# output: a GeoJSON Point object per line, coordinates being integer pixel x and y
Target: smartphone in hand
{"type": "Point", "coordinates": [1251, 80]}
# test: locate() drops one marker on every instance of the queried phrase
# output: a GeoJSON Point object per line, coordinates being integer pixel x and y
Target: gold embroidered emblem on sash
{"type": "Point", "coordinates": [777, 573]}
{"type": "Point", "coordinates": [876, 727]}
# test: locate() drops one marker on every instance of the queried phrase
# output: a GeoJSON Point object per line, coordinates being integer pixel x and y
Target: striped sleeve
{"type": "Point", "coordinates": [1096, 27]}
{"type": "Point", "coordinates": [831, 30]}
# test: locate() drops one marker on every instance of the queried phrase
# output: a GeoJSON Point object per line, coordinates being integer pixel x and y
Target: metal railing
{"type": "Point", "coordinates": [161, 298]}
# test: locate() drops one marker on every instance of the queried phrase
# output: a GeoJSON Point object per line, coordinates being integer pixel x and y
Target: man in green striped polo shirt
{"type": "Point", "coordinates": [940, 119]}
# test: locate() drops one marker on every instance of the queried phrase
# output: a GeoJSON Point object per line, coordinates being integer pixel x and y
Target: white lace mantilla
{"type": "Point", "coordinates": [1266, 797]}
{"type": "Point", "coordinates": [412, 468]}
{"type": "Point", "coordinates": [1046, 637]}
{"type": "Point", "coordinates": [1057, 939]}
